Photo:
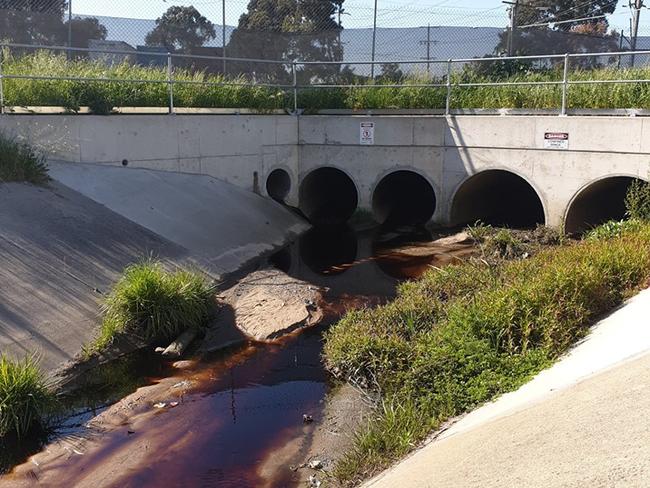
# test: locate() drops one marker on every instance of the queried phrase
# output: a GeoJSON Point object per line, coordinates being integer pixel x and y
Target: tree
{"type": "Point", "coordinates": [84, 30]}
{"type": "Point", "coordinates": [288, 30]}
{"type": "Point", "coordinates": [41, 22]}
{"type": "Point", "coordinates": [181, 29]}
{"type": "Point", "coordinates": [391, 72]}
{"type": "Point", "coordinates": [563, 30]}
{"type": "Point", "coordinates": [27, 22]}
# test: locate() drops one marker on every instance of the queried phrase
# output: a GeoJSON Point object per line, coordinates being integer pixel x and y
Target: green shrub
{"type": "Point", "coordinates": [155, 304]}
{"type": "Point", "coordinates": [222, 92]}
{"type": "Point", "coordinates": [25, 400]}
{"type": "Point", "coordinates": [637, 200]}
{"type": "Point", "coordinates": [19, 162]}
{"type": "Point", "coordinates": [462, 335]}
{"type": "Point", "coordinates": [613, 229]}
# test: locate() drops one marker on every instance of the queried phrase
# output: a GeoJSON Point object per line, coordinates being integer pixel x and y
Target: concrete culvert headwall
{"type": "Point", "coordinates": [278, 185]}
{"type": "Point", "coordinates": [328, 196]}
{"type": "Point", "coordinates": [597, 203]}
{"type": "Point", "coordinates": [403, 197]}
{"type": "Point", "coordinates": [497, 197]}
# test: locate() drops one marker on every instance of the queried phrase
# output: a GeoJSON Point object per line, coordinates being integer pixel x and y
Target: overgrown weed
{"type": "Point", "coordinates": [464, 334]}
{"type": "Point", "coordinates": [19, 162]}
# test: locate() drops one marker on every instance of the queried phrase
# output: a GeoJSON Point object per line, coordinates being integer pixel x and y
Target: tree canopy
{"type": "Point", "coordinates": [567, 26]}
{"type": "Point", "coordinates": [31, 22]}
{"type": "Point", "coordinates": [42, 22]}
{"type": "Point", "coordinates": [288, 30]}
{"type": "Point", "coordinates": [181, 29]}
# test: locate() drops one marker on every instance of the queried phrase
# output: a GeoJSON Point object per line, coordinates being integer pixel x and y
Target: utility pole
{"type": "Point", "coordinates": [69, 27]}
{"type": "Point", "coordinates": [374, 44]}
{"type": "Point", "coordinates": [635, 6]}
{"type": "Point", "coordinates": [513, 25]}
{"type": "Point", "coordinates": [428, 43]}
{"type": "Point", "coordinates": [223, 34]}
{"type": "Point", "coordinates": [621, 38]}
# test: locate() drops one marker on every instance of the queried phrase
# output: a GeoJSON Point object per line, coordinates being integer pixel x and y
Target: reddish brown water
{"type": "Point", "coordinates": [249, 403]}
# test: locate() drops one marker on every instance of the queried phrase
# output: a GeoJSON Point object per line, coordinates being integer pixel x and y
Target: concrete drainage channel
{"type": "Point", "coordinates": [253, 405]}
{"type": "Point", "coordinates": [256, 408]}
{"type": "Point", "coordinates": [262, 411]}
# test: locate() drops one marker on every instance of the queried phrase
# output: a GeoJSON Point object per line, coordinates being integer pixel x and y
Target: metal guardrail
{"type": "Point", "coordinates": [295, 87]}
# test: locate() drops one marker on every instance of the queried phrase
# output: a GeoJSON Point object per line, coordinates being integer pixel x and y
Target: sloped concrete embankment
{"type": "Point", "coordinates": [579, 423]}
{"type": "Point", "coordinates": [61, 249]}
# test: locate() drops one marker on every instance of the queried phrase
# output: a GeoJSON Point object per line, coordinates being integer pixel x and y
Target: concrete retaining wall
{"type": "Point", "coordinates": [239, 149]}
{"type": "Point", "coordinates": [244, 149]}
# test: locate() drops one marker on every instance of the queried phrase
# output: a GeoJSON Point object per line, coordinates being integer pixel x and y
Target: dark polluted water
{"type": "Point", "coordinates": [247, 404]}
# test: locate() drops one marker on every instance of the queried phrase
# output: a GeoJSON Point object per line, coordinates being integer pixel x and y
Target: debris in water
{"type": "Point", "coordinates": [307, 419]}
{"type": "Point", "coordinates": [315, 464]}
{"type": "Point", "coordinates": [183, 364]}
{"type": "Point", "coordinates": [173, 404]}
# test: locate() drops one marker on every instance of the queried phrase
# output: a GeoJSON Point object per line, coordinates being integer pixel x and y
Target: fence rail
{"type": "Point", "coordinates": [565, 83]}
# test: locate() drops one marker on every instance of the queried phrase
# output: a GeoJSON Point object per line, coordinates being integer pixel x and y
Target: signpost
{"type": "Point", "coordinates": [556, 140]}
{"type": "Point", "coordinates": [367, 133]}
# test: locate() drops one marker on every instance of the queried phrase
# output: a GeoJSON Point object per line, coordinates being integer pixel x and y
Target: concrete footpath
{"type": "Point", "coordinates": [61, 250]}
{"type": "Point", "coordinates": [582, 422]}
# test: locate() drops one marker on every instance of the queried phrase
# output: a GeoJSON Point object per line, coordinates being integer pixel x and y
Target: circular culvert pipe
{"type": "Point", "coordinates": [278, 185]}
{"type": "Point", "coordinates": [497, 197]}
{"type": "Point", "coordinates": [328, 196]}
{"type": "Point", "coordinates": [403, 198]}
{"type": "Point", "coordinates": [598, 203]}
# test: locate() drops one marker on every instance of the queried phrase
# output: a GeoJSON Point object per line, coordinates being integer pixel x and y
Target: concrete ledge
{"type": "Point", "coordinates": [54, 110]}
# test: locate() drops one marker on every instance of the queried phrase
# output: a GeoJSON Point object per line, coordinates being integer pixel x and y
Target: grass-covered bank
{"type": "Point", "coordinates": [154, 304]}
{"type": "Point", "coordinates": [103, 96]}
{"type": "Point", "coordinates": [462, 335]}
{"type": "Point", "coordinates": [19, 162]}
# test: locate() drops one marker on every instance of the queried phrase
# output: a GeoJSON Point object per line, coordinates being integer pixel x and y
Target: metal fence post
{"type": "Point", "coordinates": [374, 44]}
{"type": "Point", "coordinates": [565, 85]}
{"type": "Point", "coordinates": [170, 82]}
{"type": "Point", "coordinates": [69, 53]}
{"type": "Point", "coordinates": [2, 93]}
{"type": "Point", "coordinates": [223, 34]}
{"type": "Point", "coordinates": [295, 87]}
{"type": "Point", "coordinates": [448, 97]}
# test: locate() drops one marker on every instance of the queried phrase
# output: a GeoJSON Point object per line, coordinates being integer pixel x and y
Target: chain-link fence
{"type": "Point", "coordinates": [348, 32]}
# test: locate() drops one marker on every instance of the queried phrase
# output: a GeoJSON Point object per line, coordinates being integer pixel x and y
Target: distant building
{"type": "Point", "coordinates": [147, 55]}
{"type": "Point", "coordinates": [99, 48]}
{"type": "Point", "coordinates": [203, 64]}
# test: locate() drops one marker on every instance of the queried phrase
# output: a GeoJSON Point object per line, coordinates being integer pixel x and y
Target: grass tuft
{"type": "Point", "coordinates": [19, 162]}
{"type": "Point", "coordinates": [25, 400]}
{"type": "Point", "coordinates": [154, 304]}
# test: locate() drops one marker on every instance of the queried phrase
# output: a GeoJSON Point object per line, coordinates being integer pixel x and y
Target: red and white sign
{"type": "Point", "coordinates": [367, 133]}
{"type": "Point", "coordinates": [556, 140]}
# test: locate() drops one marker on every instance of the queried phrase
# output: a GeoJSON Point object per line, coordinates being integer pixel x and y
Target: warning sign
{"type": "Point", "coordinates": [367, 133]}
{"type": "Point", "coordinates": [556, 140]}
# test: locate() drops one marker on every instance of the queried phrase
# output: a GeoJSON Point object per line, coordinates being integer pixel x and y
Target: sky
{"type": "Point", "coordinates": [392, 13]}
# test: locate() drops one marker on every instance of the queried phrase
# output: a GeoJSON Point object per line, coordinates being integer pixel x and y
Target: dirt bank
{"type": "Point", "coordinates": [265, 305]}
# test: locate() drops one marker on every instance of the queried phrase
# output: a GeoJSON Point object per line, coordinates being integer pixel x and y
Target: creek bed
{"type": "Point", "coordinates": [228, 419]}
